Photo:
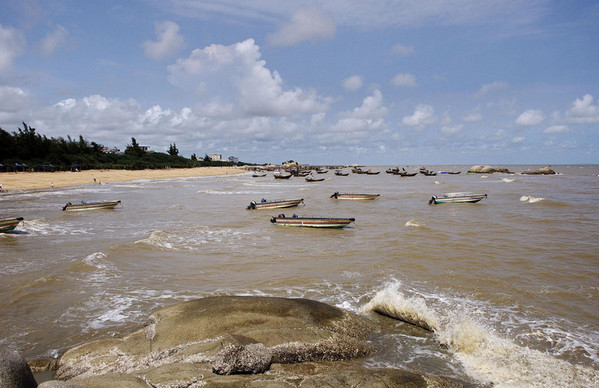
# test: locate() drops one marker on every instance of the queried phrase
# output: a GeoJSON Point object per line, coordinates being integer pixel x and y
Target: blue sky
{"type": "Point", "coordinates": [352, 81]}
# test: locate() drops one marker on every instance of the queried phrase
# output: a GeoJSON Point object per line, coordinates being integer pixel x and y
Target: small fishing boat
{"type": "Point", "coordinates": [282, 175]}
{"type": "Point", "coordinates": [358, 170]}
{"type": "Point", "coordinates": [465, 197]}
{"type": "Point", "coordinates": [312, 178]}
{"type": "Point", "coordinates": [392, 170]}
{"type": "Point", "coordinates": [70, 207]}
{"type": "Point", "coordinates": [370, 172]}
{"type": "Point", "coordinates": [264, 204]}
{"type": "Point", "coordinates": [312, 222]}
{"type": "Point", "coordinates": [428, 172]}
{"type": "Point", "coordinates": [450, 172]}
{"type": "Point", "coordinates": [258, 174]}
{"type": "Point", "coordinates": [354, 196]}
{"type": "Point", "coordinates": [8, 224]}
{"type": "Point", "coordinates": [341, 173]}
{"type": "Point", "coordinates": [405, 173]}
{"type": "Point", "coordinates": [322, 171]}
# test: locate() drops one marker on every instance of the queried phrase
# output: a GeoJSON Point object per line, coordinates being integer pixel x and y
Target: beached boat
{"type": "Point", "coordinates": [312, 178]}
{"type": "Point", "coordinates": [264, 204]}
{"type": "Point", "coordinates": [70, 207]}
{"type": "Point", "coordinates": [312, 222]}
{"type": "Point", "coordinates": [354, 196]}
{"type": "Point", "coordinates": [8, 224]}
{"type": "Point", "coordinates": [341, 173]}
{"type": "Point", "coordinates": [465, 197]}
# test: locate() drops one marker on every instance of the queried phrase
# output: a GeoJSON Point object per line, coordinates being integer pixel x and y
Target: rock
{"type": "Point", "coordinates": [486, 169]}
{"type": "Point", "coordinates": [238, 359]}
{"type": "Point", "coordinates": [540, 171]}
{"type": "Point", "coordinates": [14, 370]}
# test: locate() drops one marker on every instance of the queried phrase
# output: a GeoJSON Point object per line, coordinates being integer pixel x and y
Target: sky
{"type": "Point", "coordinates": [378, 82]}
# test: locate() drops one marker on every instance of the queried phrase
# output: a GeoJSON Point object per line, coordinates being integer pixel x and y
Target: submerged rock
{"type": "Point", "coordinates": [540, 171]}
{"type": "Point", "coordinates": [486, 169]}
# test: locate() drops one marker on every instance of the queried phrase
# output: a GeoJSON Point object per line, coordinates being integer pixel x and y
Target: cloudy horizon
{"type": "Point", "coordinates": [401, 82]}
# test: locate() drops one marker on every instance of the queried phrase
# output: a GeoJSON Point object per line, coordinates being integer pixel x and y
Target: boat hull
{"type": "Point", "coordinates": [313, 222]}
{"type": "Point", "coordinates": [275, 204]}
{"type": "Point", "coordinates": [9, 224]}
{"type": "Point", "coordinates": [69, 207]}
{"type": "Point", "coordinates": [355, 197]}
{"type": "Point", "coordinates": [470, 198]}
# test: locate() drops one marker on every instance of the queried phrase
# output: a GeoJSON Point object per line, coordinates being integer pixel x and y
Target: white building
{"type": "Point", "coordinates": [216, 157]}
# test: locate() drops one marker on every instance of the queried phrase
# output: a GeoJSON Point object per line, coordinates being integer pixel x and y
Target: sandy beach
{"type": "Point", "coordinates": [46, 180]}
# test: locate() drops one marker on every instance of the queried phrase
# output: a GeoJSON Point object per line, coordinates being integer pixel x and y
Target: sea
{"type": "Point", "coordinates": [509, 285]}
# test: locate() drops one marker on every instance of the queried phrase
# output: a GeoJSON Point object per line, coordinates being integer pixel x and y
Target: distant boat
{"type": "Point", "coordinates": [322, 171]}
{"type": "Point", "coordinates": [358, 170]}
{"type": "Point", "coordinates": [8, 224]}
{"type": "Point", "coordinates": [258, 174]}
{"type": "Point", "coordinates": [312, 178]}
{"type": "Point", "coordinates": [312, 222]}
{"type": "Point", "coordinates": [427, 172]}
{"type": "Point", "coordinates": [341, 173]}
{"type": "Point", "coordinates": [264, 204]}
{"type": "Point", "coordinates": [282, 175]}
{"type": "Point", "coordinates": [370, 172]}
{"type": "Point", "coordinates": [405, 173]}
{"type": "Point", "coordinates": [354, 196]}
{"type": "Point", "coordinates": [392, 170]}
{"type": "Point", "coordinates": [90, 206]}
{"type": "Point", "coordinates": [465, 197]}
{"type": "Point", "coordinates": [450, 172]}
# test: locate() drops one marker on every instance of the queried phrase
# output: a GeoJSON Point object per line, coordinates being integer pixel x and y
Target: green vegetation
{"type": "Point", "coordinates": [26, 150]}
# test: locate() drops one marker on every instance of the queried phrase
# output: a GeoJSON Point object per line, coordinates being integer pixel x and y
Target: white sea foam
{"type": "Point", "coordinates": [508, 180]}
{"type": "Point", "coordinates": [530, 199]}
{"type": "Point", "coordinates": [415, 223]}
{"type": "Point", "coordinates": [193, 238]}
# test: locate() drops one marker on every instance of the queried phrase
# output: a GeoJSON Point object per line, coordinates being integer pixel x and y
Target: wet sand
{"type": "Point", "coordinates": [47, 180]}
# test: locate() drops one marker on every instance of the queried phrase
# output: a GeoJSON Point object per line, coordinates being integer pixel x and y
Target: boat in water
{"type": "Point", "coordinates": [82, 206]}
{"type": "Point", "coordinates": [465, 197]}
{"type": "Point", "coordinates": [282, 175]}
{"type": "Point", "coordinates": [8, 224]}
{"type": "Point", "coordinates": [354, 196]}
{"type": "Point", "coordinates": [341, 173]}
{"type": "Point", "coordinates": [312, 222]}
{"type": "Point", "coordinates": [258, 174]}
{"type": "Point", "coordinates": [427, 172]}
{"type": "Point", "coordinates": [264, 204]}
{"type": "Point", "coordinates": [312, 178]}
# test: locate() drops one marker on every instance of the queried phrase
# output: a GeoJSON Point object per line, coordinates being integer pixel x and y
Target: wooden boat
{"type": "Point", "coordinates": [258, 174]}
{"type": "Point", "coordinates": [354, 196]}
{"type": "Point", "coordinates": [8, 224]}
{"type": "Point", "coordinates": [322, 171]}
{"type": "Point", "coordinates": [358, 170]}
{"type": "Point", "coordinates": [90, 206]}
{"type": "Point", "coordinates": [369, 172]}
{"type": "Point", "coordinates": [450, 172]}
{"type": "Point", "coordinates": [428, 172]}
{"type": "Point", "coordinates": [264, 204]}
{"type": "Point", "coordinates": [282, 175]}
{"type": "Point", "coordinates": [341, 173]}
{"type": "Point", "coordinates": [465, 197]}
{"type": "Point", "coordinates": [312, 178]}
{"type": "Point", "coordinates": [405, 173]}
{"type": "Point", "coordinates": [312, 222]}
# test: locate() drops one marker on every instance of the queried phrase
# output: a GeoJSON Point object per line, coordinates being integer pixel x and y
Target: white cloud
{"type": "Point", "coordinates": [404, 79]}
{"type": "Point", "coordinates": [557, 129]}
{"type": "Point", "coordinates": [450, 130]}
{"type": "Point", "coordinates": [12, 44]}
{"type": "Point", "coordinates": [400, 49]}
{"type": "Point", "coordinates": [168, 43]}
{"type": "Point", "coordinates": [582, 111]}
{"type": "Point", "coordinates": [518, 139]}
{"type": "Point", "coordinates": [492, 87]}
{"type": "Point", "coordinates": [472, 118]}
{"type": "Point", "coordinates": [352, 83]}
{"type": "Point", "coordinates": [306, 24]}
{"type": "Point", "coordinates": [530, 118]}
{"type": "Point", "coordinates": [56, 40]}
{"type": "Point", "coordinates": [372, 107]}
{"type": "Point", "coordinates": [423, 115]}
{"type": "Point", "coordinates": [237, 71]}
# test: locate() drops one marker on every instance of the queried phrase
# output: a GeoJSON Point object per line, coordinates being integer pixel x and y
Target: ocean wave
{"type": "Point", "coordinates": [415, 223]}
{"type": "Point", "coordinates": [531, 199]}
{"type": "Point", "coordinates": [45, 226]}
{"type": "Point", "coordinates": [508, 180]}
{"type": "Point", "coordinates": [485, 355]}
{"type": "Point", "coordinates": [193, 238]}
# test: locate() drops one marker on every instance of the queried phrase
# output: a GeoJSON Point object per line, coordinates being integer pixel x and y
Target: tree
{"type": "Point", "coordinates": [172, 150]}
{"type": "Point", "coordinates": [134, 149]}
{"type": "Point", "coordinates": [194, 157]}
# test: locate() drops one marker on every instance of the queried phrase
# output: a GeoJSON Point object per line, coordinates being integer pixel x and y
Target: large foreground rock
{"type": "Point", "coordinates": [237, 342]}
{"type": "Point", "coordinates": [14, 370]}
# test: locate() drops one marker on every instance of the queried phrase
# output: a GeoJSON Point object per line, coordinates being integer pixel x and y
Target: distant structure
{"type": "Point", "coordinates": [145, 148]}
{"type": "Point", "coordinates": [233, 159]}
{"type": "Point", "coordinates": [216, 157]}
{"type": "Point", "coordinates": [112, 150]}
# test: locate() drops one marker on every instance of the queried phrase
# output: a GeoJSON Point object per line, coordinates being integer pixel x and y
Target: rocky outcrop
{"type": "Point", "coordinates": [237, 342]}
{"type": "Point", "coordinates": [14, 370]}
{"type": "Point", "coordinates": [486, 169]}
{"type": "Point", "coordinates": [540, 171]}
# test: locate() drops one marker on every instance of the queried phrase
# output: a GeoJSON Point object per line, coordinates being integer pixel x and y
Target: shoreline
{"type": "Point", "coordinates": [19, 181]}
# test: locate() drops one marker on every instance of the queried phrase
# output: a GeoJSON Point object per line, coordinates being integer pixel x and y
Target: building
{"type": "Point", "coordinates": [233, 159]}
{"type": "Point", "coordinates": [216, 157]}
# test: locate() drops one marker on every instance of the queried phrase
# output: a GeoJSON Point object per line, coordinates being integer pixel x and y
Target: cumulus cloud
{"type": "Point", "coordinates": [530, 118]}
{"type": "Point", "coordinates": [238, 70]}
{"type": "Point", "coordinates": [557, 129]}
{"type": "Point", "coordinates": [424, 115]}
{"type": "Point", "coordinates": [372, 107]}
{"type": "Point", "coordinates": [404, 79]}
{"type": "Point", "coordinates": [472, 118]}
{"type": "Point", "coordinates": [59, 39]}
{"type": "Point", "coordinates": [492, 87]}
{"type": "Point", "coordinates": [582, 111]}
{"type": "Point", "coordinates": [14, 103]}
{"type": "Point", "coordinates": [12, 44]}
{"type": "Point", "coordinates": [450, 130]}
{"type": "Point", "coordinates": [400, 49]}
{"type": "Point", "coordinates": [518, 139]}
{"type": "Point", "coordinates": [352, 83]}
{"type": "Point", "coordinates": [306, 24]}
{"type": "Point", "coordinates": [168, 43]}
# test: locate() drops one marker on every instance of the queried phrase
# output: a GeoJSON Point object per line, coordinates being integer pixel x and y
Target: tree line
{"type": "Point", "coordinates": [26, 150]}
